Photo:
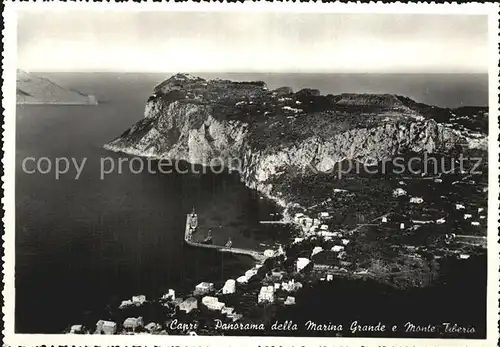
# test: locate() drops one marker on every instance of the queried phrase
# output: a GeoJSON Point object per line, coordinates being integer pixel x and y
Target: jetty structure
{"type": "Point", "coordinates": [192, 220]}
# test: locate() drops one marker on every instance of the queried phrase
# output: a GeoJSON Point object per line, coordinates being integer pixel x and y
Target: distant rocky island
{"type": "Point", "coordinates": [393, 227]}
{"type": "Point", "coordinates": [31, 89]}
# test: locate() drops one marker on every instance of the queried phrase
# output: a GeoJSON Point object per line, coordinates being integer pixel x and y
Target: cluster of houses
{"type": "Point", "coordinates": [110, 328]}
{"type": "Point", "coordinates": [268, 293]}
{"type": "Point", "coordinates": [419, 200]}
{"type": "Point", "coordinates": [137, 300]}
{"type": "Point", "coordinates": [212, 303]}
{"type": "Point", "coordinates": [468, 216]}
{"type": "Point", "coordinates": [318, 227]}
{"type": "Point", "coordinates": [315, 226]}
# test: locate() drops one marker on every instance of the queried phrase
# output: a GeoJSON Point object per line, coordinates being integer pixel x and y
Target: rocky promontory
{"type": "Point", "coordinates": [279, 132]}
{"type": "Point", "coordinates": [32, 89]}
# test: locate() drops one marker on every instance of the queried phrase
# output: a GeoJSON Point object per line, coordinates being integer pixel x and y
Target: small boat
{"type": "Point", "coordinates": [193, 221]}
{"type": "Point", "coordinates": [229, 243]}
{"type": "Point", "coordinates": [208, 240]}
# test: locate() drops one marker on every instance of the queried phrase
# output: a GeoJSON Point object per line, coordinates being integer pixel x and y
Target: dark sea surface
{"type": "Point", "coordinates": [84, 244]}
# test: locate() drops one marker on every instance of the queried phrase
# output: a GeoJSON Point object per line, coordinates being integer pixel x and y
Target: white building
{"type": "Point", "coordinates": [301, 263]}
{"type": "Point", "coordinates": [459, 206]}
{"type": "Point", "coordinates": [106, 327]}
{"type": "Point", "coordinates": [480, 209]}
{"type": "Point", "coordinates": [323, 227]}
{"type": "Point", "coordinates": [316, 250]}
{"type": "Point", "coordinates": [345, 242]}
{"type": "Point", "coordinates": [416, 200]}
{"type": "Point", "coordinates": [398, 192]}
{"type": "Point", "coordinates": [170, 295]}
{"type": "Point", "coordinates": [464, 256]}
{"type": "Point", "coordinates": [291, 286]}
{"type": "Point", "coordinates": [337, 248]}
{"type": "Point", "coordinates": [229, 287]}
{"type": "Point", "coordinates": [227, 310]}
{"type": "Point", "coordinates": [298, 217]}
{"type": "Point", "coordinates": [212, 303]}
{"type": "Point", "coordinates": [298, 240]}
{"type": "Point", "coordinates": [326, 234]}
{"type": "Point", "coordinates": [133, 323]}
{"type": "Point", "coordinates": [152, 326]}
{"type": "Point", "coordinates": [250, 273]}
{"type": "Point", "coordinates": [384, 219]}
{"type": "Point", "coordinates": [280, 251]}
{"type": "Point", "coordinates": [323, 215]}
{"type": "Point", "coordinates": [126, 303]}
{"type": "Point", "coordinates": [188, 305]}
{"type": "Point", "coordinates": [242, 280]}
{"type": "Point", "coordinates": [76, 329]}
{"type": "Point", "coordinates": [474, 223]}
{"type": "Point", "coordinates": [329, 277]}
{"type": "Point", "coordinates": [203, 288]}
{"type": "Point", "coordinates": [440, 221]}
{"type": "Point", "coordinates": [467, 216]}
{"type": "Point", "coordinates": [290, 300]}
{"type": "Point", "coordinates": [269, 253]}
{"type": "Point", "coordinates": [266, 294]}
{"type": "Point", "coordinates": [138, 299]}
{"type": "Point", "coordinates": [401, 226]}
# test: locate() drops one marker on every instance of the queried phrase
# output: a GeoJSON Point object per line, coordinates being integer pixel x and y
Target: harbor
{"type": "Point", "coordinates": [191, 225]}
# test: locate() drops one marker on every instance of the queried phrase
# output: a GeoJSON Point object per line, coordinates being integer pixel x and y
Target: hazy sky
{"type": "Point", "coordinates": [250, 42]}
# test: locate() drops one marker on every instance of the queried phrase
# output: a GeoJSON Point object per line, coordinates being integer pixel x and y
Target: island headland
{"type": "Point", "coordinates": [35, 90]}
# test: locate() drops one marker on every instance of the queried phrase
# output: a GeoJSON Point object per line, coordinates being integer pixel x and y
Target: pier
{"type": "Point", "coordinates": [257, 256]}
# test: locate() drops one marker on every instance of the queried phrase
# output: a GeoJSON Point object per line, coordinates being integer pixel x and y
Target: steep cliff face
{"type": "Point", "coordinates": [264, 133]}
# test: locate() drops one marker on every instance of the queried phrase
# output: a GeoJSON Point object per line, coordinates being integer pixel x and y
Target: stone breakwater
{"type": "Point", "coordinates": [257, 256]}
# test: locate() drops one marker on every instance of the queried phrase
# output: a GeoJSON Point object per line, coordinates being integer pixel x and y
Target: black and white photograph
{"type": "Point", "coordinates": [290, 174]}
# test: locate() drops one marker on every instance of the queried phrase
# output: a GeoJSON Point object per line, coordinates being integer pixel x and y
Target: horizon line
{"type": "Point", "coordinates": [264, 72]}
